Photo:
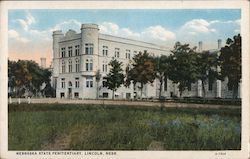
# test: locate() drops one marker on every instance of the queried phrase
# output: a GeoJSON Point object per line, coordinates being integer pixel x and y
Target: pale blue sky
{"type": "Point", "coordinates": [34, 27]}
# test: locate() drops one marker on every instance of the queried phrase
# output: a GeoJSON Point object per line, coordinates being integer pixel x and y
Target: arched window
{"type": "Point", "coordinates": [70, 84]}
{"type": "Point", "coordinates": [70, 65]}
{"type": "Point", "coordinates": [63, 66]}
{"type": "Point", "coordinates": [77, 65]}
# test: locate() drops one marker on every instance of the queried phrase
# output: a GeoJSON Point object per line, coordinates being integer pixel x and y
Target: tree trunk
{"type": "Point", "coordinates": [161, 82]}
{"type": "Point", "coordinates": [113, 95]}
{"type": "Point", "coordinates": [141, 90]}
{"type": "Point", "coordinates": [203, 89]}
{"type": "Point", "coordinates": [97, 90]}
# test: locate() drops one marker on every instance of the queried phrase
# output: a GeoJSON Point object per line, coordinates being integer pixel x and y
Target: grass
{"type": "Point", "coordinates": [95, 127]}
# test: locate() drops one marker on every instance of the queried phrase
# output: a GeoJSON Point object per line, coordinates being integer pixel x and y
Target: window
{"type": "Point", "coordinates": [63, 52]}
{"type": "Point", "coordinates": [63, 66]}
{"type": "Point", "coordinates": [89, 65]}
{"type": "Point", "coordinates": [77, 50]}
{"type": "Point", "coordinates": [70, 84]}
{"type": "Point", "coordinates": [105, 95]}
{"type": "Point", "coordinates": [104, 67]}
{"type": "Point", "coordinates": [104, 51]}
{"type": "Point", "coordinates": [70, 51]}
{"type": "Point", "coordinates": [89, 82]}
{"type": "Point", "coordinates": [117, 52]}
{"type": "Point", "coordinates": [77, 65]}
{"type": "Point", "coordinates": [128, 95]}
{"type": "Point", "coordinates": [63, 82]}
{"type": "Point", "coordinates": [89, 49]}
{"type": "Point", "coordinates": [104, 83]}
{"type": "Point", "coordinates": [62, 95]}
{"type": "Point", "coordinates": [127, 54]}
{"type": "Point", "coordinates": [76, 95]}
{"type": "Point", "coordinates": [77, 82]}
{"type": "Point", "coordinates": [70, 65]}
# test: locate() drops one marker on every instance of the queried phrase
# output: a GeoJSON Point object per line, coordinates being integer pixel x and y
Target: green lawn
{"type": "Point", "coordinates": [77, 127]}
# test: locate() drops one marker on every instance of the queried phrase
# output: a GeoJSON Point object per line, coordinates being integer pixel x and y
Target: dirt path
{"type": "Point", "coordinates": [60, 143]}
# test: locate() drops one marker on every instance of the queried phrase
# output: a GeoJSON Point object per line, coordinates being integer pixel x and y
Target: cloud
{"type": "Point", "coordinates": [237, 22]}
{"type": "Point", "coordinates": [113, 29]}
{"type": "Point", "coordinates": [153, 33]}
{"type": "Point", "coordinates": [158, 33]}
{"type": "Point", "coordinates": [25, 23]}
{"type": "Point", "coordinates": [237, 31]}
{"type": "Point", "coordinates": [198, 26]}
{"type": "Point", "coordinates": [15, 36]}
{"type": "Point", "coordinates": [66, 25]}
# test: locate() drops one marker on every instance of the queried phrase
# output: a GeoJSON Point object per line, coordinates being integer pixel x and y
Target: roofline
{"type": "Point", "coordinates": [163, 47]}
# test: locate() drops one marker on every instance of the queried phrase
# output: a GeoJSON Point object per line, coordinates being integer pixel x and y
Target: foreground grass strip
{"type": "Point", "coordinates": [103, 127]}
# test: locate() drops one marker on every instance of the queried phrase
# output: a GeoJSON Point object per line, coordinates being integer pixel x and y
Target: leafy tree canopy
{"type": "Point", "coordinates": [183, 63]}
{"type": "Point", "coordinates": [230, 61]}
{"type": "Point", "coordinates": [115, 77]}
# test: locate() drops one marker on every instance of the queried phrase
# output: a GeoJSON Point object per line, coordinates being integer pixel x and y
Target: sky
{"type": "Point", "coordinates": [30, 31]}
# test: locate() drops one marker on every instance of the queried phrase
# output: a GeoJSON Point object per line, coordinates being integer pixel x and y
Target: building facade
{"type": "Point", "coordinates": [77, 57]}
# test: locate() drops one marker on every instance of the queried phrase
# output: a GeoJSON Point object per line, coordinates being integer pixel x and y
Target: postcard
{"type": "Point", "coordinates": [124, 79]}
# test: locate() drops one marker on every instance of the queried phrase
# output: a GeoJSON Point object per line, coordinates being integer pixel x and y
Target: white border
{"type": "Point", "coordinates": [243, 5]}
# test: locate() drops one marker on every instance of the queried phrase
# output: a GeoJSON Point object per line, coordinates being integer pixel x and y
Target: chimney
{"type": "Point", "coordinates": [200, 46]}
{"type": "Point", "coordinates": [43, 62]}
{"type": "Point", "coordinates": [219, 44]}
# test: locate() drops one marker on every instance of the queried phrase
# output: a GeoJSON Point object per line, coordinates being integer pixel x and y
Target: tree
{"type": "Point", "coordinates": [26, 75]}
{"type": "Point", "coordinates": [143, 70]}
{"type": "Point", "coordinates": [183, 66]}
{"type": "Point", "coordinates": [115, 77]}
{"type": "Point", "coordinates": [206, 67]}
{"type": "Point", "coordinates": [162, 69]}
{"type": "Point", "coordinates": [230, 62]}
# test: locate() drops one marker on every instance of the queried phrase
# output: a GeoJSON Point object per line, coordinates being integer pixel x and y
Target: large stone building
{"type": "Point", "coordinates": [77, 57]}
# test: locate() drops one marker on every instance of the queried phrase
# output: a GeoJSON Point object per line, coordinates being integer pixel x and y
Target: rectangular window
{"type": "Point", "coordinates": [127, 54]}
{"type": "Point", "coordinates": [89, 65]}
{"type": "Point", "coordinates": [104, 68]}
{"type": "Point", "coordinates": [117, 52]}
{"type": "Point", "coordinates": [105, 51]}
{"type": "Point", "coordinates": [63, 52]}
{"type": "Point", "coordinates": [89, 82]}
{"type": "Point", "coordinates": [77, 82]}
{"type": "Point", "coordinates": [62, 95]}
{"type": "Point", "coordinates": [70, 66]}
{"type": "Point", "coordinates": [63, 82]}
{"type": "Point", "coordinates": [77, 50]}
{"type": "Point", "coordinates": [63, 66]}
{"type": "Point", "coordinates": [105, 95]}
{"type": "Point", "coordinates": [89, 49]}
{"type": "Point", "coordinates": [104, 83]}
{"type": "Point", "coordinates": [70, 51]}
{"type": "Point", "coordinates": [76, 95]}
{"type": "Point", "coordinates": [77, 65]}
